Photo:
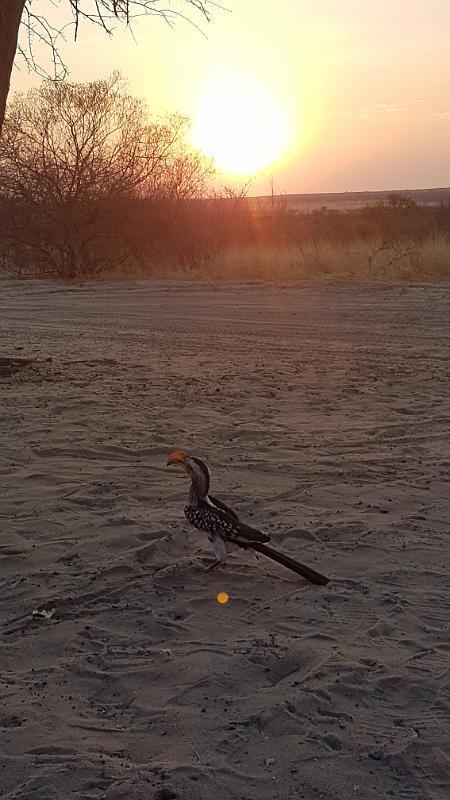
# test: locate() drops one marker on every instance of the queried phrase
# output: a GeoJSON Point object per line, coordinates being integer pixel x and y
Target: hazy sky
{"type": "Point", "coordinates": [362, 86]}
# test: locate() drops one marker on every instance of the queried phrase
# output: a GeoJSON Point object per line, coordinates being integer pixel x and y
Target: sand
{"type": "Point", "coordinates": [323, 411]}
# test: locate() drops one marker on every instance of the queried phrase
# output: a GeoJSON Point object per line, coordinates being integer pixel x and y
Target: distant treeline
{"type": "Point", "coordinates": [90, 187]}
{"type": "Point", "coordinates": [144, 236]}
{"type": "Point", "coordinates": [350, 201]}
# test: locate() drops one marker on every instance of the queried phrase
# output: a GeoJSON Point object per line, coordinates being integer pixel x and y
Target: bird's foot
{"type": "Point", "coordinates": [211, 566]}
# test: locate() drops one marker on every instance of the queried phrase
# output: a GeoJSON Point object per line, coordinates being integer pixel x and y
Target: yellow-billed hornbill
{"type": "Point", "coordinates": [222, 524]}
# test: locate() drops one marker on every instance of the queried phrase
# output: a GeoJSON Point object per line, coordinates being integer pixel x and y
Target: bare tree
{"type": "Point", "coordinates": [78, 142]}
{"type": "Point", "coordinates": [38, 29]}
{"type": "Point", "coordinates": [71, 154]}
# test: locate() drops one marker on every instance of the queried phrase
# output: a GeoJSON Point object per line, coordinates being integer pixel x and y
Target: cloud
{"type": "Point", "coordinates": [436, 106]}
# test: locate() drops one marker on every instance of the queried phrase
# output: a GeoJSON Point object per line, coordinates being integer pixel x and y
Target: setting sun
{"type": "Point", "coordinates": [240, 126]}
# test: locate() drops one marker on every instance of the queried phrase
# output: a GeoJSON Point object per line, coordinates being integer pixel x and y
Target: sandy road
{"type": "Point", "coordinates": [324, 412]}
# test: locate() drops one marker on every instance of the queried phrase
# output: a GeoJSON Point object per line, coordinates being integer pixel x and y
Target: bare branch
{"type": "Point", "coordinates": [73, 153]}
{"type": "Point", "coordinates": [39, 33]}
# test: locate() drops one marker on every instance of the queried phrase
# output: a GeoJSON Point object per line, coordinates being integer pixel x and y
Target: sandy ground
{"type": "Point", "coordinates": [324, 413]}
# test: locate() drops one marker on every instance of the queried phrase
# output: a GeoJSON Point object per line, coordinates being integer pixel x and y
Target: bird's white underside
{"type": "Point", "coordinates": [221, 548]}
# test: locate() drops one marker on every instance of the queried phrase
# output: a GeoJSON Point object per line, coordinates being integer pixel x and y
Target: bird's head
{"type": "Point", "coordinates": [197, 471]}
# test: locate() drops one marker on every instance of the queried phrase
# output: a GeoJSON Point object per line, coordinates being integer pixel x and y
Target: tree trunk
{"type": "Point", "coordinates": [10, 16]}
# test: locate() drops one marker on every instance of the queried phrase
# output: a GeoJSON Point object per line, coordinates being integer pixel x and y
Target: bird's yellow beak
{"type": "Point", "coordinates": [178, 459]}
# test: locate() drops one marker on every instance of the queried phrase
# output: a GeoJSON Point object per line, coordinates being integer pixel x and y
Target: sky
{"type": "Point", "coordinates": [314, 95]}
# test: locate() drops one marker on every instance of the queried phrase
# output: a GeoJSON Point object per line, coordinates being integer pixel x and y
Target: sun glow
{"type": "Point", "coordinates": [240, 126]}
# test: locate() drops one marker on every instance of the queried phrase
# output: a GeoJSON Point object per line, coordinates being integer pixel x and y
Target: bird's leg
{"type": "Point", "coordinates": [220, 551]}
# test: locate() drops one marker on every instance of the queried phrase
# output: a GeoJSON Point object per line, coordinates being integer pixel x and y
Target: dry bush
{"type": "Point", "coordinates": [254, 262]}
{"type": "Point", "coordinates": [89, 188]}
{"type": "Point", "coordinates": [75, 161]}
{"type": "Point", "coordinates": [264, 262]}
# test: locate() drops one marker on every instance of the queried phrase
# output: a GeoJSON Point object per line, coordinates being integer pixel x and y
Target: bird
{"type": "Point", "coordinates": [225, 530]}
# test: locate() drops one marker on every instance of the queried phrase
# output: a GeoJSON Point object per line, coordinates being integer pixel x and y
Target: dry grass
{"type": "Point", "coordinates": [359, 260]}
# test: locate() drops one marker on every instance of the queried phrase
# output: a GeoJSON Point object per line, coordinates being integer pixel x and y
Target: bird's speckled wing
{"type": "Point", "coordinates": [215, 520]}
{"type": "Point", "coordinates": [212, 520]}
{"type": "Point", "coordinates": [246, 531]}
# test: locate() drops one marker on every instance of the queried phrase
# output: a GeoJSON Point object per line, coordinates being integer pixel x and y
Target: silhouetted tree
{"type": "Point", "coordinates": [38, 29]}
{"type": "Point", "coordinates": [72, 155]}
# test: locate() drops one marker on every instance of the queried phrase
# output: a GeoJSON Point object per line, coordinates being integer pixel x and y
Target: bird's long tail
{"type": "Point", "coordinates": [301, 569]}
